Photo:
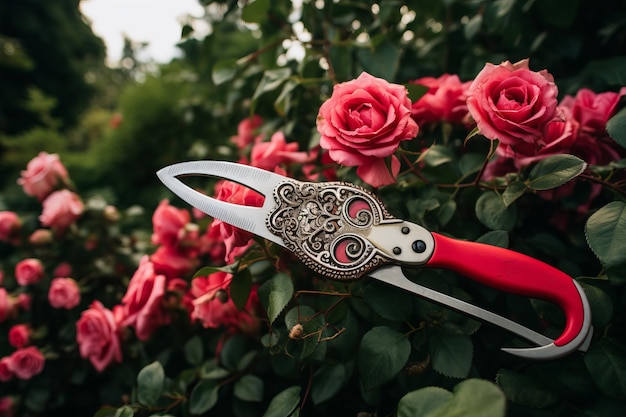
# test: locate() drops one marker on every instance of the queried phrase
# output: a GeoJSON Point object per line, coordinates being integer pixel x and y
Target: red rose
{"type": "Point", "coordinates": [28, 271]}
{"type": "Point", "coordinates": [19, 335]}
{"type": "Point", "coordinates": [277, 151]}
{"type": "Point", "coordinates": [42, 175]}
{"type": "Point", "coordinates": [97, 336]}
{"type": "Point", "coordinates": [64, 293]}
{"type": "Point", "coordinates": [9, 227]}
{"type": "Point", "coordinates": [61, 209]}
{"type": "Point", "coordinates": [6, 369]}
{"type": "Point", "coordinates": [445, 100]}
{"type": "Point", "coordinates": [170, 226]}
{"type": "Point", "coordinates": [143, 300]}
{"type": "Point", "coordinates": [363, 123]}
{"type": "Point", "coordinates": [27, 362]}
{"type": "Point", "coordinates": [511, 103]}
{"type": "Point", "coordinates": [247, 132]}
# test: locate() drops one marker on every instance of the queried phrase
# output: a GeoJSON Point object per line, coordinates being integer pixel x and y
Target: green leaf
{"type": "Point", "coordinates": [224, 70]}
{"type": "Point", "coordinates": [423, 402]}
{"type": "Point", "coordinates": [446, 212]}
{"type": "Point", "coordinates": [451, 354]}
{"type": "Point", "coordinates": [256, 11]}
{"type": "Point", "coordinates": [416, 91]}
{"type": "Point", "coordinates": [193, 351]}
{"type": "Point", "coordinates": [272, 79]}
{"type": "Point", "coordinates": [616, 127]}
{"type": "Point", "coordinates": [554, 171]}
{"type": "Point", "coordinates": [493, 213]}
{"type": "Point", "coordinates": [601, 305]}
{"type": "Point", "coordinates": [279, 291]}
{"type": "Point", "coordinates": [249, 388]}
{"type": "Point", "coordinates": [495, 238]}
{"type": "Point", "coordinates": [605, 231]}
{"type": "Point", "coordinates": [150, 383]}
{"type": "Point", "coordinates": [282, 104]}
{"type": "Point", "coordinates": [106, 411]}
{"type": "Point", "coordinates": [471, 398]}
{"type": "Point", "coordinates": [240, 288]}
{"type": "Point", "coordinates": [438, 155]}
{"type": "Point", "coordinates": [382, 354]}
{"type": "Point", "coordinates": [381, 60]}
{"type": "Point", "coordinates": [607, 366]}
{"type": "Point", "coordinates": [524, 390]}
{"type": "Point", "coordinates": [284, 404]}
{"type": "Point", "coordinates": [208, 270]}
{"type": "Point", "coordinates": [124, 411]}
{"type": "Point", "coordinates": [311, 322]}
{"type": "Point", "coordinates": [472, 26]}
{"type": "Point", "coordinates": [389, 302]}
{"type": "Point", "coordinates": [513, 191]}
{"type": "Point", "coordinates": [327, 381]}
{"type": "Point", "coordinates": [204, 396]}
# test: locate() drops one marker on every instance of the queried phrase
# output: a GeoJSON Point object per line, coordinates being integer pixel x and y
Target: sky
{"type": "Point", "coordinates": [155, 21]}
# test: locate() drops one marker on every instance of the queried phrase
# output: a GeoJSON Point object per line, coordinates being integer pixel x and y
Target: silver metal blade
{"type": "Point", "coordinates": [251, 219]}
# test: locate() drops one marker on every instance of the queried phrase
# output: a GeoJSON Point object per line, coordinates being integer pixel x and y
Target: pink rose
{"type": "Point", "coordinates": [61, 209]}
{"type": "Point", "coordinates": [511, 103]}
{"type": "Point", "coordinates": [247, 132]}
{"type": "Point", "coordinates": [28, 271]}
{"type": "Point", "coordinates": [234, 238]}
{"type": "Point", "coordinates": [63, 269]}
{"type": "Point", "coordinates": [9, 227]}
{"type": "Point", "coordinates": [27, 362]}
{"type": "Point", "coordinates": [97, 336]}
{"type": "Point", "coordinates": [43, 174]}
{"type": "Point", "coordinates": [24, 301]}
{"type": "Point", "coordinates": [593, 110]}
{"type": "Point", "coordinates": [214, 308]}
{"type": "Point", "coordinates": [19, 335]}
{"type": "Point", "coordinates": [6, 369]}
{"type": "Point", "coordinates": [171, 226]}
{"type": "Point", "coordinates": [143, 301]}
{"type": "Point", "coordinates": [445, 100]}
{"type": "Point", "coordinates": [64, 293]}
{"type": "Point", "coordinates": [171, 262]}
{"type": "Point", "coordinates": [7, 405]}
{"type": "Point", "coordinates": [558, 136]}
{"type": "Point", "coordinates": [211, 243]}
{"type": "Point", "coordinates": [277, 151]}
{"type": "Point", "coordinates": [363, 123]}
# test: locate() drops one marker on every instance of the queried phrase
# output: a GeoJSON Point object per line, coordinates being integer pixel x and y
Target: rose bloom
{"type": "Point", "coordinates": [172, 263]}
{"type": "Point", "coordinates": [511, 103]}
{"type": "Point", "coordinates": [61, 209]}
{"type": "Point", "coordinates": [19, 335]}
{"type": "Point", "coordinates": [40, 237]}
{"type": "Point", "coordinates": [28, 271]}
{"type": "Point", "coordinates": [268, 155]}
{"type": "Point", "coordinates": [143, 301]}
{"type": "Point", "coordinates": [6, 407]}
{"type": "Point", "coordinates": [170, 226]}
{"type": "Point", "coordinates": [64, 269]}
{"type": "Point", "coordinates": [9, 227]}
{"type": "Point", "coordinates": [363, 123]}
{"type": "Point", "coordinates": [27, 362]}
{"type": "Point", "coordinates": [211, 243]}
{"type": "Point", "coordinates": [593, 110]}
{"type": "Point", "coordinates": [64, 293]}
{"type": "Point", "coordinates": [558, 137]}
{"type": "Point", "coordinates": [246, 132]}
{"type": "Point", "coordinates": [24, 301]}
{"type": "Point", "coordinates": [97, 336]}
{"type": "Point", "coordinates": [445, 100]}
{"type": "Point", "coordinates": [214, 307]}
{"type": "Point", "coordinates": [42, 175]}
{"type": "Point", "coordinates": [235, 239]}
{"type": "Point", "coordinates": [6, 369]}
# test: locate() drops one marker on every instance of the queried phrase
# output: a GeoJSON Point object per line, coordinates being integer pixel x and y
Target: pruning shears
{"type": "Point", "coordinates": [344, 232]}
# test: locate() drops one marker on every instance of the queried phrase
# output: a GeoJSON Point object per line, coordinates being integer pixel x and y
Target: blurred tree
{"type": "Point", "coordinates": [52, 48]}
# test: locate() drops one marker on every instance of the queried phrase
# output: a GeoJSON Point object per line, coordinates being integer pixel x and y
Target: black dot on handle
{"type": "Point", "coordinates": [397, 250]}
{"type": "Point", "coordinates": [405, 230]}
{"type": "Point", "coordinates": [418, 246]}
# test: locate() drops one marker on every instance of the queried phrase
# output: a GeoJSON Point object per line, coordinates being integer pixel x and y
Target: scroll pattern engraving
{"type": "Point", "coordinates": [324, 225]}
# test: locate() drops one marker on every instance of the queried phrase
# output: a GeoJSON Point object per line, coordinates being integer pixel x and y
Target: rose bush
{"type": "Point", "coordinates": [114, 309]}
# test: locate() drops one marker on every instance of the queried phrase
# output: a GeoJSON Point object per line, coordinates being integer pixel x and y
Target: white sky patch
{"type": "Point", "coordinates": [157, 22]}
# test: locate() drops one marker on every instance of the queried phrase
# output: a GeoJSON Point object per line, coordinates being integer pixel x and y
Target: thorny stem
{"type": "Point", "coordinates": [612, 186]}
{"type": "Point", "coordinates": [308, 388]}
{"type": "Point", "coordinates": [492, 150]}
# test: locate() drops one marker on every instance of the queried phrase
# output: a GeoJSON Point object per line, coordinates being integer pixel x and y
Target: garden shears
{"type": "Point", "coordinates": [344, 232]}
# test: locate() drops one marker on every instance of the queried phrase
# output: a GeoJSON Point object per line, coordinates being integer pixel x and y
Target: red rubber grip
{"type": "Point", "coordinates": [513, 272]}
